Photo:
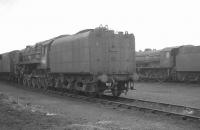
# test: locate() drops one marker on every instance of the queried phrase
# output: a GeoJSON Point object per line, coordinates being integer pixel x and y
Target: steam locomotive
{"type": "Point", "coordinates": [92, 61]}
{"type": "Point", "coordinates": [179, 63]}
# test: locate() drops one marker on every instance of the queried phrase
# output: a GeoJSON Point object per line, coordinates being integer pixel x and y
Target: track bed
{"type": "Point", "coordinates": [85, 113]}
{"type": "Point", "coordinates": [169, 93]}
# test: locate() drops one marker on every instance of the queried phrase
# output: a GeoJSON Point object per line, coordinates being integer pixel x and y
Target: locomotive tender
{"type": "Point", "coordinates": [170, 64]}
{"type": "Point", "coordinates": [93, 61]}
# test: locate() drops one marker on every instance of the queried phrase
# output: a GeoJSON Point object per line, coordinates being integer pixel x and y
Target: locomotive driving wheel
{"type": "Point", "coordinates": [42, 83]}
{"type": "Point", "coordinates": [29, 83]}
{"type": "Point", "coordinates": [39, 84]}
{"type": "Point", "coordinates": [24, 82]}
{"type": "Point", "coordinates": [45, 83]}
{"type": "Point", "coordinates": [33, 82]}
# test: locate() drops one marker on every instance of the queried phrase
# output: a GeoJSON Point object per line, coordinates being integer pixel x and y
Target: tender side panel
{"type": "Point", "coordinates": [117, 54]}
{"type": "Point", "coordinates": [98, 47]}
{"type": "Point", "coordinates": [127, 53]}
{"type": "Point", "coordinates": [188, 62]}
{"type": "Point", "coordinates": [112, 53]}
{"type": "Point", "coordinates": [121, 54]}
{"type": "Point", "coordinates": [5, 63]}
{"type": "Point", "coordinates": [188, 59]}
{"type": "Point", "coordinates": [70, 54]}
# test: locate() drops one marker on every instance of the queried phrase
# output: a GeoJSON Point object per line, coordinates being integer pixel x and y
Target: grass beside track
{"type": "Point", "coordinates": [15, 116]}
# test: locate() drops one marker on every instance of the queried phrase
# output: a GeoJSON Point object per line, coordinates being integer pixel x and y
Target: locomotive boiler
{"type": "Point", "coordinates": [170, 64]}
{"type": "Point", "coordinates": [93, 61]}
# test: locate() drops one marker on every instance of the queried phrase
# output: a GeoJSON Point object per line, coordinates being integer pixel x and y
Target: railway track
{"type": "Point", "coordinates": [182, 112]}
{"type": "Point", "coordinates": [169, 110]}
{"type": "Point", "coordinates": [156, 107]}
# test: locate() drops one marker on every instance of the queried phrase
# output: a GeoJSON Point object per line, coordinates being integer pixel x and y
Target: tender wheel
{"type": "Point", "coordinates": [116, 93]}
{"type": "Point", "coordinates": [161, 80]}
{"type": "Point", "coordinates": [92, 94]}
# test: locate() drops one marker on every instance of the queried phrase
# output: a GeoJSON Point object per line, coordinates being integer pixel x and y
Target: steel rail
{"type": "Point", "coordinates": [185, 113]}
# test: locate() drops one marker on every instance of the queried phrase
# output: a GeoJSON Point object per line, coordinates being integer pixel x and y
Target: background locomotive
{"type": "Point", "coordinates": [92, 61]}
{"type": "Point", "coordinates": [175, 63]}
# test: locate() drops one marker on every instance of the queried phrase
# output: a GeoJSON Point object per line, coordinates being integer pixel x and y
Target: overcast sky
{"type": "Point", "coordinates": [155, 23]}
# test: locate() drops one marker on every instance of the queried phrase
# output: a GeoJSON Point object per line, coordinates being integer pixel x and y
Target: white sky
{"type": "Point", "coordinates": [155, 23]}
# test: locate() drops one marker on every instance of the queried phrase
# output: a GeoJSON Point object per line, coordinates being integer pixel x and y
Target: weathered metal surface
{"type": "Point", "coordinates": [31, 54]}
{"type": "Point", "coordinates": [166, 60]}
{"type": "Point", "coordinates": [70, 54]}
{"type": "Point", "coordinates": [0, 63]}
{"type": "Point", "coordinates": [5, 63]}
{"type": "Point", "coordinates": [167, 56]}
{"type": "Point", "coordinates": [8, 61]}
{"type": "Point", "coordinates": [188, 59]}
{"type": "Point", "coordinates": [37, 54]}
{"type": "Point", "coordinates": [14, 60]}
{"type": "Point", "coordinates": [148, 58]}
{"type": "Point", "coordinates": [94, 51]}
{"type": "Point", "coordinates": [156, 58]}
